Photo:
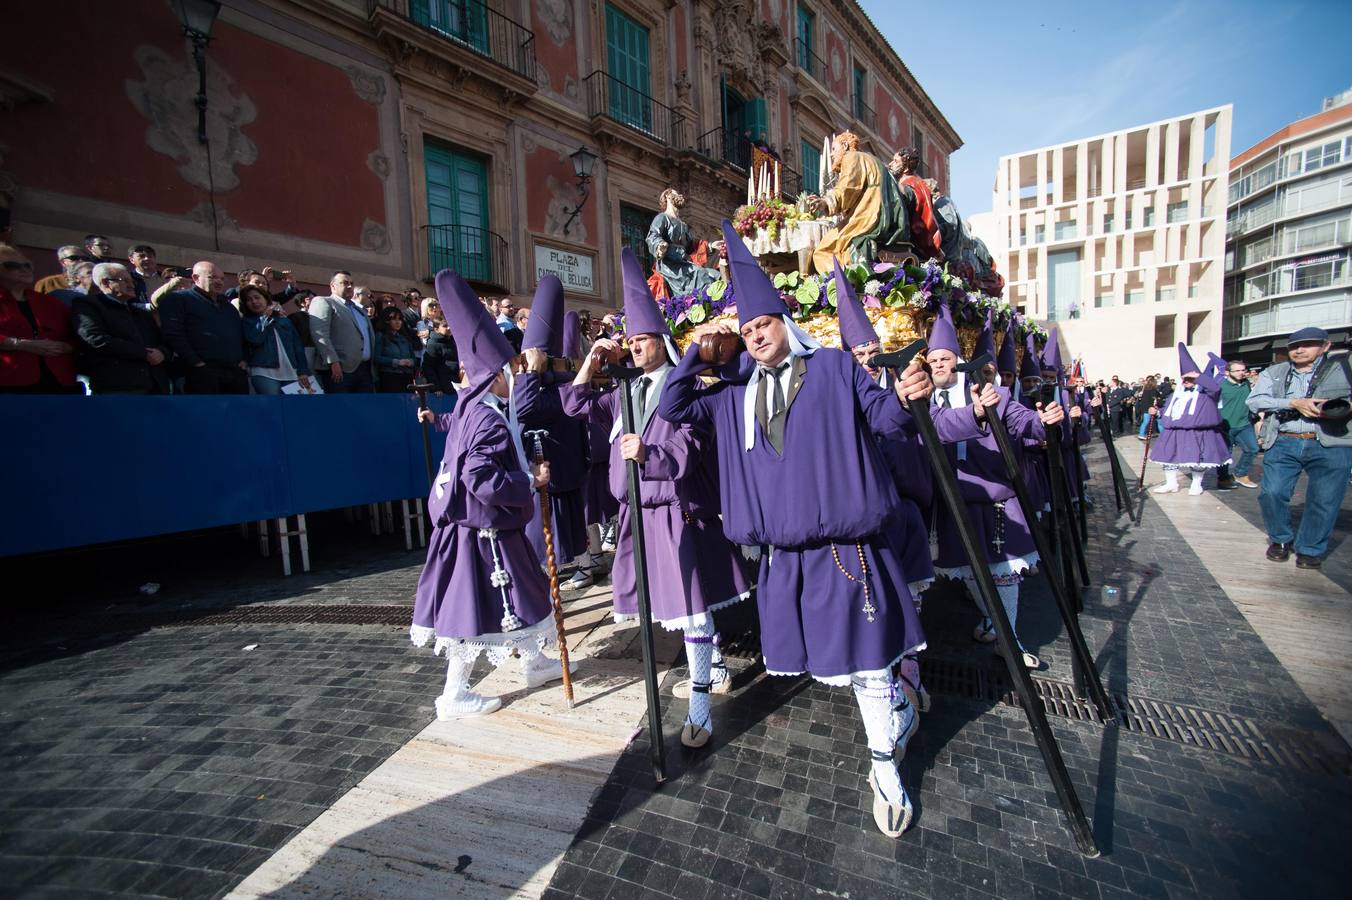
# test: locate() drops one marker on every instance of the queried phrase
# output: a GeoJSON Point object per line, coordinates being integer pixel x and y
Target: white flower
{"type": "Point", "coordinates": [873, 287]}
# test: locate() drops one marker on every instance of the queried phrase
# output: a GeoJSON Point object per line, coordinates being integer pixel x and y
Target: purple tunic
{"type": "Point", "coordinates": [999, 521]}
{"type": "Point", "coordinates": [598, 503]}
{"type": "Point", "coordinates": [821, 505]}
{"type": "Point", "coordinates": [1034, 465]}
{"type": "Point", "coordinates": [692, 569]}
{"type": "Point", "coordinates": [1192, 426]}
{"type": "Point", "coordinates": [481, 485]}
{"type": "Point", "coordinates": [540, 406]}
{"type": "Point", "coordinates": [913, 480]}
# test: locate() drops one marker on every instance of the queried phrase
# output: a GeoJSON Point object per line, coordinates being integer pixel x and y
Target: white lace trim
{"type": "Point", "coordinates": [1016, 566]}
{"type": "Point", "coordinates": [1185, 466]}
{"type": "Point", "coordinates": [685, 623]}
{"type": "Point", "coordinates": [844, 680]}
{"type": "Point", "coordinates": [919, 587]}
{"type": "Point", "coordinates": [499, 647]}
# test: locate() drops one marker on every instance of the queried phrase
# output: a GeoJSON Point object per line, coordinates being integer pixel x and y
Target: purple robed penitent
{"type": "Point", "coordinates": [481, 586]}
{"type": "Point", "coordinates": [539, 404]}
{"type": "Point", "coordinates": [823, 504]}
{"type": "Point", "coordinates": [1001, 527]}
{"type": "Point", "coordinates": [692, 569]}
{"type": "Point", "coordinates": [1196, 416]}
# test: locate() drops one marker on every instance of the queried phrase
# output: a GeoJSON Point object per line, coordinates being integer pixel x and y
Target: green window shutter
{"type": "Point", "coordinates": [757, 119]}
{"type": "Point", "coordinates": [806, 19]}
{"type": "Point", "coordinates": [457, 213]}
{"type": "Point", "coordinates": [463, 20]}
{"type": "Point", "coordinates": [627, 63]}
{"type": "Point", "coordinates": [812, 160]}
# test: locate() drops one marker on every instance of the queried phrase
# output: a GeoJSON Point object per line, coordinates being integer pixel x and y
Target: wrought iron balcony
{"type": "Point", "coordinates": [612, 99]}
{"type": "Point", "coordinates": [476, 254]}
{"type": "Point", "coordinates": [468, 24]}
{"type": "Point", "coordinates": [864, 114]}
{"type": "Point", "coordinates": [808, 61]}
{"type": "Point", "coordinates": [790, 182]}
{"type": "Point", "coordinates": [717, 145]}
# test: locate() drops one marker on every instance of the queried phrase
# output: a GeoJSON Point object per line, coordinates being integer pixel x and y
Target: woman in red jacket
{"type": "Point", "coordinates": [36, 350]}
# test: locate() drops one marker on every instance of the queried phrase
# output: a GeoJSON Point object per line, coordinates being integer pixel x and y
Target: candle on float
{"type": "Point", "coordinates": [750, 188]}
{"type": "Point", "coordinates": [776, 178]}
{"type": "Point", "coordinates": [824, 163]}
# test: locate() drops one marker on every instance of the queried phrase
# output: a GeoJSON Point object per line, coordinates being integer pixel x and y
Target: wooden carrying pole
{"type": "Point", "coordinates": [950, 494]}
{"type": "Point", "coordinates": [1145, 458]}
{"type": "Point", "coordinates": [551, 565]}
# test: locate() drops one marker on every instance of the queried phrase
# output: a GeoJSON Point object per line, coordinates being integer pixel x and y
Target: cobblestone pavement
{"type": "Point", "coordinates": [780, 806]}
{"type": "Point", "coordinates": [149, 753]}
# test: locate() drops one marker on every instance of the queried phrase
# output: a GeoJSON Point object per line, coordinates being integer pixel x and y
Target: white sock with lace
{"type": "Point", "coordinates": [875, 692]}
{"type": "Point", "coordinates": [699, 653]}
{"type": "Point", "coordinates": [718, 669]}
{"type": "Point", "coordinates": [1171, 479]}
{"type": "Point", "coordinates": [530, 656]}
{"type": "Point", "coordinates": [457, 677]}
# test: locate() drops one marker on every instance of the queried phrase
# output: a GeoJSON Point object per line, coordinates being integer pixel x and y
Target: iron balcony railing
{"type": "Point", "coordinates": [717, 145]}
{"type": "Point", "coordinates": [476, 254]}
{"type": "Point", "coordinates": [609, 97]}
{"type": "Point", "coordinates": [790, 182]}
{"type": "Point", "coordinates": [473, 25]}
{"type": "Point", "coordinates": [864, 115]}
{"type": "Point", "coordinates": [808, 61]}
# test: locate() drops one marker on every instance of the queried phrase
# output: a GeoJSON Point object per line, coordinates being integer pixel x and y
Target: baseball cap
{"type": "Point", "coordinates": [1307, 334]}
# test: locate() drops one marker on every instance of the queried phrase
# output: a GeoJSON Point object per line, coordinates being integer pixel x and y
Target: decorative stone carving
{"type": "Point", "coordinates": [683, 88]}
{"type": "Point", "coordinates": [369, 86]}
{"type": "Point", "coordinates": [201, 214]}
{"type": "Point", "coordinates": [563, 197]}
{"type": "Point", "coordinates": [557, 18]}
{"type": "Point", "coordinates": [167, 98]}
{"type": "Point", "coordinates": [379, 163]}
{"type": "Point", "coordinates": [375, 237]}
{"type": "Point", "coordinates": [734, 25]}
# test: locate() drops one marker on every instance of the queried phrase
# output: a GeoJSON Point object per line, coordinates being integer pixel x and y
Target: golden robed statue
{"type": "Point", "coordinates": [865, 197]}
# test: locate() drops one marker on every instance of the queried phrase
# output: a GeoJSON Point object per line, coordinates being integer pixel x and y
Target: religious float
{"type": "Point", "coordinates": [898, 239]}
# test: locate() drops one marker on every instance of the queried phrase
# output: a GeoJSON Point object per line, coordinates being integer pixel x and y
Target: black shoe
{"type": "Point", "coordinates": [1279, 552]}
{"type": "Point", "coordinates": [1307, 562]}
{"type": "Point", "coordinates": [1225, 484]}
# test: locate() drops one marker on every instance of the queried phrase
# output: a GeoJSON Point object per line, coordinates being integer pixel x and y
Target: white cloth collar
{"type": "Point", "coordinates": [1181, 403]}
{"type": "Point", "coordinates": [800, 344]}
{"type": "Point", "coordinates": [958, 397]}
{"type": "Point", "coordinates": [658, 377]}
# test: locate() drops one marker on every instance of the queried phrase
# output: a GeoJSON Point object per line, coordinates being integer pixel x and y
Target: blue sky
{"type": "Point", "coordinates": [1017, 76]}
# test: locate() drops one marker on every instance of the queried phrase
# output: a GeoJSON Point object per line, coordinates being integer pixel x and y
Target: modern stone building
{"type": "Point", "coordinates": [1118, 239]}
{"type": "Point", "coordinates": [396, 137]}
{"type": "Point", "coordinates": [1288, 233]}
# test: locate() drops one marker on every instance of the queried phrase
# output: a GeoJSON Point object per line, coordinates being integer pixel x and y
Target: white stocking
{"type": "Point", "coordinates": [1009, 599]}
{"type": "Point", "coordinates": [457, 677]}
{"type": "Point", "coordinates": [699, 652]}
{"type": "Point", "coordinates": [1171, 479]}
{"type": "Point", "coordinates": [718, 669]}
{"type": "Point", "coordinates": [875, 692]}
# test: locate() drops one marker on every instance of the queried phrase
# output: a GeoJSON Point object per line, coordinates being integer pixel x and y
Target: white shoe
{"type": "Point", "coordinates": [892, 818]}
{"type": "Point", "coordinates": [581, 580]}
{"type": "Point", "coordinates": [466, 705]}
{"type": "Point", "coordinates": [608, 538]}
{"type": "Point", "coordinates": [1030, 661]}
{"type": "Point", "coordinates": [695, 736]}
{"type": "Point", "coordinates": [1196, 489]}
{"type": "Point", "coordinates": [1165, 489]}
{"type": "Point", "coordinates": [905, 723]}
{"type": "Point", "coordinates": [542, 670]}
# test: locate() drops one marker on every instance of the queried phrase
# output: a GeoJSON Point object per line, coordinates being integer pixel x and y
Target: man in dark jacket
{"type": "Point", "coordinates": [205, 330]}
{"type": "Point", "coordinates": [1119, 396]}
{"type": "Point", "coordinates": [119, 344]}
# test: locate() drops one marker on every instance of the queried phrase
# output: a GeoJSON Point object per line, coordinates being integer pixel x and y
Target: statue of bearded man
{"type": "Point", "coordinates": [866, 197]}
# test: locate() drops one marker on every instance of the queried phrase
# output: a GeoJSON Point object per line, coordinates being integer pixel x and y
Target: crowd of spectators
{"type": "Point", "coordinates": [110, 325]}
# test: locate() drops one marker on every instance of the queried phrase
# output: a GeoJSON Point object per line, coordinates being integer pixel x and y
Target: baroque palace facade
{"type": "Point", "coordinates": [393, 138]}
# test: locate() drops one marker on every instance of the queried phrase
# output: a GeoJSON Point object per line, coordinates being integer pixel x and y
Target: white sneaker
{"type": "Point", "coordinates": [466, 705]}
{"type": "Point", "coordinates": [543, 669]}
{"type": "Point", "coordinates": [1165, 489]}
{"type": "Point", "coordinates": [905, 723]}
{"type": "Point", "coordinates": [891, 817]}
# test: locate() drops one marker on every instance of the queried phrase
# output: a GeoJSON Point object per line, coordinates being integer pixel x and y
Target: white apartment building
{"type": "Point", "coordinates": [1289, 236]}
{"type": "Point", "coordinates": [1118, 240]}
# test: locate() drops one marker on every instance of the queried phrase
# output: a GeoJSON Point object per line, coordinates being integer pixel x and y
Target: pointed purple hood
{"type": "Point", "coordinates": [1185, 363]}
{"type": "Point", "coordinates": [1007, 359]}
{"type": "Point", "coordinates": [544, 329]}
{"type": "Point", "coordinates": [641, 315]}
{"type": "Point", "coordinates": [855, 328]}
{"type": "Point", "coordinates": [479, 342]}
{"type": "Point", "coordinates": [572, 335]}
{"type": "Point", "coordinates": [1051, 354]}
{"type": "Point", "coordinates": [985, 341]}
{"type": "Point", "coordinates": [1029, 368]}
{"type": "Point", "coordinates": [756, 294]}
{"type": "Point", "coordinates": [943, 336]}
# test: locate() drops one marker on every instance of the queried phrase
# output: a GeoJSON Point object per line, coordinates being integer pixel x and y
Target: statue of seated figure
{"type": "Point", "coordinates": [680, 259]}
{"type": "Point", "coordinates": [867, 201]}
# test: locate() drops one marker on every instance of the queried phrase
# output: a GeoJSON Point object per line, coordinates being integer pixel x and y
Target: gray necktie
{"type": "Point", "coordinates": [944, 401]}
{"type": "Point", "coordinates": [644, 384]}
{"type": "Point", "coordinates": [770, 402]}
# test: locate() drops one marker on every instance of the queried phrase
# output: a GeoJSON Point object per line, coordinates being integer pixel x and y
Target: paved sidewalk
{"type": "Point", "coordinates": [149, 753]}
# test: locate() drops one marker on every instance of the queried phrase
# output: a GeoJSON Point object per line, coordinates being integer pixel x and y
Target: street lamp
{"type": "Point", "coordinates": [583, 163]}
{"type": "Point", "coordinates": [197, 17]}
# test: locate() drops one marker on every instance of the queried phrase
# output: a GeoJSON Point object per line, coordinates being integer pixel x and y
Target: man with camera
{"type": "Point", "coordinates": [1306, 399]}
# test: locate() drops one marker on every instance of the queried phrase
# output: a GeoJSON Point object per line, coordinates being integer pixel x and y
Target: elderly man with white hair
{"type": "Point", "coordinates": [70, 256]}
{"type": "Point", "coordinates": [119, 346]}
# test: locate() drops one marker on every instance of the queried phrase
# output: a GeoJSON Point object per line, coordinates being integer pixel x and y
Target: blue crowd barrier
{"type": "Point", "coordinates": [89, 470]}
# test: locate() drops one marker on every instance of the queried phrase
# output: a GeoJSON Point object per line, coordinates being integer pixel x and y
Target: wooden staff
{"type": "Point", "coordinates": [421, 387]}
{"type": "Point", "coordinates": [551, 566]}
{"type": "Point", "coordinates": [1149, 434]}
